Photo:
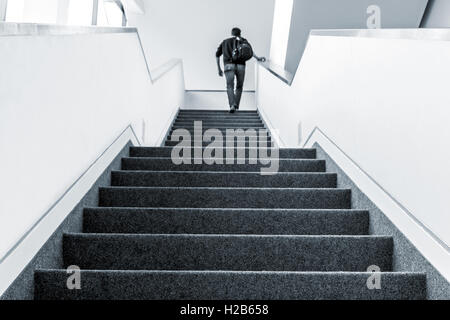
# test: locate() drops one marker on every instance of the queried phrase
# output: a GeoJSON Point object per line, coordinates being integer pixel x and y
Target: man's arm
{"type": "Point", "coordinates": [218, 54]}
{"type": "Point", "coordinates": [260, 59]}
{"type": "Point", "coordinates": [219, 68]}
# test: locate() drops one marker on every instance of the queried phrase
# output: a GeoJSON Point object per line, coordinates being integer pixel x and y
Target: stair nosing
{"type": "Point", "coordinates": [416, 273]}
{"type": "Point", "coordinates": [224, 158]}
{"type": "Point", "coordinates": [171, 147]}
{"type": "Point", "coordinates": [202, 235]}
{"type": "Point", "coordinates": [225, 188]}
{"type": "Point", "coordinates": [224, 209]}
{"type": "Point", "coordinates": [222, 172]}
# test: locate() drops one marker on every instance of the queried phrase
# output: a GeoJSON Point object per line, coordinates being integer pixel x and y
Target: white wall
{"type": "Point", "coordinates": [192, 30]}
{"type": "Point", "coordinates": [63, 99]}
{"type": "Point", "coordinates": [43, 11]}
{"type": "Point", "coordinates": [384, 102]}
{"type": "Point", "coordinates": [215, 100]}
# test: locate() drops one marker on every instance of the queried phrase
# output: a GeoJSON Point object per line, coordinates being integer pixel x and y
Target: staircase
{"type": "Point", "coordinates": [224, 231]}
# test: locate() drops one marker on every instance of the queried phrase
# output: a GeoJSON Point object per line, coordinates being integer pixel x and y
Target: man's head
{"type": "Point", "coordinates": [236, 32]}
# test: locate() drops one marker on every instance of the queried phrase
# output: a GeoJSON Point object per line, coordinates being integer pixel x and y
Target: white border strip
{"type": "Point", "coordinates": [432, 34]}
{"type": "Point", "coordinates": [428, 245]}
{"type": "Point", "coordinates": [165, 132]}
{"type": "Point", "coordinates": [18, 257]}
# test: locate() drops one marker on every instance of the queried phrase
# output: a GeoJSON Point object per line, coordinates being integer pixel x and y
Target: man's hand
{"type": "Point", "coordinates": [220, 73]}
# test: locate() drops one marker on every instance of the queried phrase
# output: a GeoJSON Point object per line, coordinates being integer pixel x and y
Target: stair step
{"type": "Point", "coordinates": [224, 198]}
{"type": "Point", "coordinates": [219, 123]}
{"type": "Point", "coordinates": [209, 111]}
{"type": "Point", "coordinates": [217, 117]}
{"type": "Point", "coordinates": [226, 231]}
{"type": "Point", "coordinates": [228, 285]}
{"type": "Point", "coordinates": [225, 221]}
{"type": "Point", "coordinates": [219, 120]}
{"type": "Point", "coordinates": [166, 164]}
{"type": "Point", "coordinates": [227, 252]}
{"type": "Point", "coordinates": [246, 143]}
{"type": "Point", "coordinates": [254, 132]}
{"type": "Point", "coordinates": [253, 137]}
{"type": "Point", "coordinates": [222, 179]}
{"type": "Point", "coordinates": [230, 118]}
{"type": "Point", "coordinates": [223, 131]}
{"type": "Point", "coordinates": [166, 152]}
{"type": "Point", "coordinates": [256, 127]}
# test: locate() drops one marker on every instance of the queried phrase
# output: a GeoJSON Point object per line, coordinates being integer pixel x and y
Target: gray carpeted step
{"type": "Point", "coordinates": [224, 198]}
{"type": "Point", "coordinates": [257, 128]}
{"type": "Point", "coordinates": [190, 126]}
{"type": "Point", "coordinates": [225, 110]}
{"type": "Point", "coordinates": [225, 221]}
{"type": "Point", "coordinates": [224, 231]}
{"type": "Point", "coordinates": [217, 118]}
{"type": "Point", "coordinates": [241, 143]}
{"type": "Point", "coordinates": [257, 132]}
{"type": "Point", "coordinates": [165, 152]}
{"type": "Point", "coordinates": [222, 179]}
{"type": "Point", "coordinates": [166, 164]}
{"type": "Point", "coordinates": [227, 252]}
{"type": "Point", "coordinates": [253, 137]}
{"type": "Point", "coordinates": [222, 120]}
{"type": "Point", "coordinates": [228, 285]}
{"type": "Point", "coordinates": [219, 123]}
{"type": "Point", "coordinates": [215, 124]}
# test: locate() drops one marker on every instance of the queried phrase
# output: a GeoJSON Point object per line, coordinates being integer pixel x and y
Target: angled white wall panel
{"type": "Point", "coordinates": [346, 14]}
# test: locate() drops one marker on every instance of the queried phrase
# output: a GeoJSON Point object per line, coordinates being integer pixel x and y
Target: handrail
{"type": "Point", "coordinates": [160, 71]}
{"type": "Point", "coordinates": [12, 29]}
{"type": "Point", "coordinates": [278, 71]}
{"type": "Point", "coordinates": [47, 212]}
{"type": "Point", "coordinates": [397, 202]}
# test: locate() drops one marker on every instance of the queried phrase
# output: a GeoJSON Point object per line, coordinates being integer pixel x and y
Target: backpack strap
{"type": "Point", "coordinates": [235, 43]}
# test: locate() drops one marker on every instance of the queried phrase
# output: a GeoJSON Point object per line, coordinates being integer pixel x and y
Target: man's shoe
{"type": "Point", "coordinates": [232, 109]}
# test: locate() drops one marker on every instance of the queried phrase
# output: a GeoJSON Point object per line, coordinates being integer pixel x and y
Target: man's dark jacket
{"type": "Point", "coordinates": [226, 49]}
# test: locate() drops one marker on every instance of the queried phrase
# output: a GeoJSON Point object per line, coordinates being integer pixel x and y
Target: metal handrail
{"type": "Point", "coordinates": [278, 71]}
{"type": "Point", "coordinates": [47, 212]}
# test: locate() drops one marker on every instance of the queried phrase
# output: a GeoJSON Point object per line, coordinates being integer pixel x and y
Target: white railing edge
{"type": "Point", "coordinates": [434, 249]}
{"type": "Point", "coordinates": [27, 246]}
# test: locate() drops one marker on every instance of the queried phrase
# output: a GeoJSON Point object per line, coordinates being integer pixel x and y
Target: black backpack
{"type": "Point", "coordinates": [242, 51]}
